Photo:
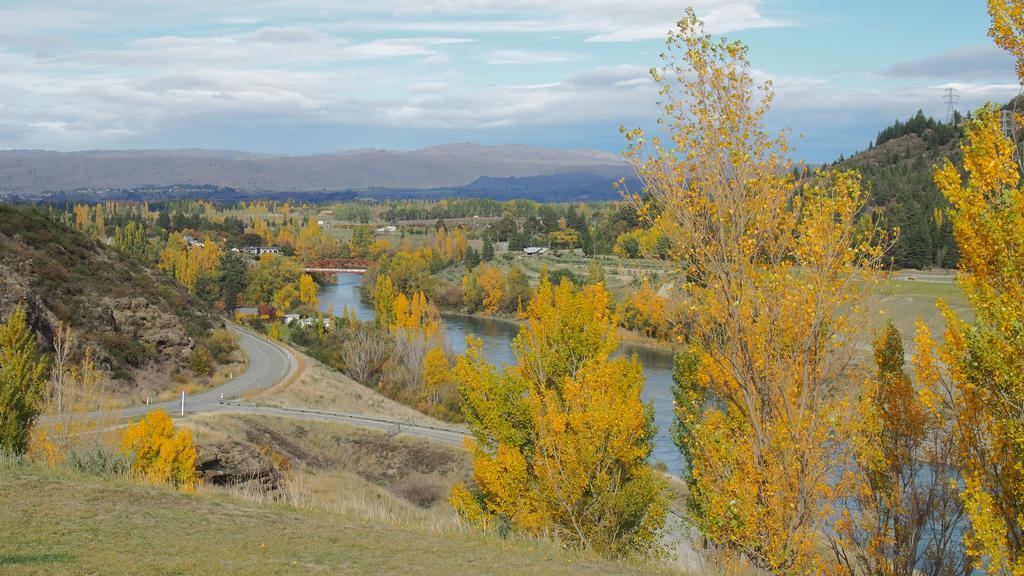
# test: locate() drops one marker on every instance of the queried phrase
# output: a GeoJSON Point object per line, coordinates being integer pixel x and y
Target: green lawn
{"type": "Point", "coordinates": [58, 523]}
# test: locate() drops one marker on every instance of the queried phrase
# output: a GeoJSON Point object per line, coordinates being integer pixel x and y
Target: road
{"type": "Point", "coordinates": [269, 363]}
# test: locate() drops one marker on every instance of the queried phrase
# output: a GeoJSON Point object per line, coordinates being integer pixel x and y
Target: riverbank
{"type": "Point", "coordinates": [626, 336]}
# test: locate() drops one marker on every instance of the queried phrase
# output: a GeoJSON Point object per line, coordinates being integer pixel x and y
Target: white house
{"type": "Point", "coordinates": [260, 250]}
{"type": "Point", "coordinates": [532, 250]}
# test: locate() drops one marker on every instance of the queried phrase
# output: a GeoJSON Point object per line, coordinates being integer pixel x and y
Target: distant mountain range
{"type": "Point", "coordinates": [505, 171]}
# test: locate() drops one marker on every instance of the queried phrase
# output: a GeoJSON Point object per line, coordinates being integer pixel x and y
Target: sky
{"type": "Point", "coordinates": [314, 76]}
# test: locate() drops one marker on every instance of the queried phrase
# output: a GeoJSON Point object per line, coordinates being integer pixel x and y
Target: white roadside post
{"type": "Point", "coordinates": [182, 402]}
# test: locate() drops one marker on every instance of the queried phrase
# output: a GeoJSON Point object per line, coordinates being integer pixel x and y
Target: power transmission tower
{"type": "Point", "coordinates": [952, 99]}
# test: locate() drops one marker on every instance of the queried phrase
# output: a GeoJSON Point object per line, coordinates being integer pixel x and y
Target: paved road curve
{"type": "Point", "coordinates": [269, 363]}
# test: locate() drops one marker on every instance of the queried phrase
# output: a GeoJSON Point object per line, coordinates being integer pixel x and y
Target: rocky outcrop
{"type": "Point", "coordinates": [231, 463]}
{"type": "Point", "coordinates": [144, 322]}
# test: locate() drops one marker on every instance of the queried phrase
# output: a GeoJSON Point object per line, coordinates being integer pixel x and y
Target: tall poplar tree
{"type": "Point", "coordinates": [23, 375]}
{"type": "Point", "coordinates": [773, 277]}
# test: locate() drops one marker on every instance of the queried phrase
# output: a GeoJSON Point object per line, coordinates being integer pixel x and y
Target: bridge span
{"type": "Point", "coordinates": [337, 266]}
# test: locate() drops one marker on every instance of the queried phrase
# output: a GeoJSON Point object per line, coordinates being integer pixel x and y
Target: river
{"type": "Point", "coordinates": [496, 336]}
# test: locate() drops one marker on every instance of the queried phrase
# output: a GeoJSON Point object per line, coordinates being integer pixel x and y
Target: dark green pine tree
{"type": "Point", "coordinates": [232, 278]}
{"type": "Point", "coordinates": [488, 250]}
{"type": "Point", "coordinates": [918, 237]}
{"type": "Point", "coordinates": [472, 258]}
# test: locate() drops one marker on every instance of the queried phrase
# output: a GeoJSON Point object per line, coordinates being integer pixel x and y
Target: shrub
{"type": "Point", "coordinates": [421, 489]}
{"type": "Point", "coordinates": [201, 361]}
{"type": "Point", "coordinates": [364, 351]}
{"type": "Point", "coordinates": [126, 351]}
{"type": "Point", "coordinates": [157, 453]}
{"type": "Point", "coordinates": [222, 344]}
{"type": "Point", "coordinates": [97, 460]}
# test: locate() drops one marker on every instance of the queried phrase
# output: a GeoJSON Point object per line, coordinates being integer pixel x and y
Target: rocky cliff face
{"type": "Point", "coordinates": [140, 325]}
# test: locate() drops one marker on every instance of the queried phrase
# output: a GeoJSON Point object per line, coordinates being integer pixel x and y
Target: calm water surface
{"type": "Point", "coordinates": [496, 337]}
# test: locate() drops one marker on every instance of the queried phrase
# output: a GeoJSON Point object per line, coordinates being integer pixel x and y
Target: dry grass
{"type": "Point", "coordinates": [348, 495]}
{"type": "Point", "coordinates": [56, 522]}
{"type": "Point", "coordinates": [324, 388]}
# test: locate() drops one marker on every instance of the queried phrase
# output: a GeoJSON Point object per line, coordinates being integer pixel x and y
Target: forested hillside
{"type": "Point", "coordinates": [897, 169]}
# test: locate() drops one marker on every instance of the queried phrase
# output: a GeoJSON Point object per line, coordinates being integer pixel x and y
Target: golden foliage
{"type": "Point", "coordinates": [308, 290]}
{"type": "Point", "coordinates": [185, 263]}
{"type": "Point", "coordinates": [646, 312]}
{"type": "Point", "coordinates": [286, 298]}
{"type": "Point", "coordinates": [159, 454]}
{"type": "Point", "coordinates": [450, 246]}
{"type": "Point", "coordinates": [1008, 29]}
{"type": "Point", "coordinates": [384, 301]}
{"type": "Point", "coordinates": [436, 371]}
{"type": "Point", "coordinates": [774, 275]}
{"type": "Point", "coordinates": [416, 314]}
{"type": "Point", "coordinates": [985, 361]}
{"type": "Point", "coordinates": [562, 438]}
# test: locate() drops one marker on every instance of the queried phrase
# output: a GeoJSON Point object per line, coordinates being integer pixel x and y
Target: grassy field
{"type": "Point", "coordinates": [60, 523]}
{"type": "Point", "coordinates": [910, 297]}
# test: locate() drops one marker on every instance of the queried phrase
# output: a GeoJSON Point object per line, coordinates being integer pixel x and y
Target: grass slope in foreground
{"type": "Point", "coordinates": [62, 523]}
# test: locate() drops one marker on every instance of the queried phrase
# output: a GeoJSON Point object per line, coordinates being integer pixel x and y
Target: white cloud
{"type": "Point", "coordinates": [280, 46]}
{"type": "Point", "coordinates": [525, 57]}
{"type": "Point", "coordinates": [967, 63]}
{"type": "Point", "coordinates": [394, 64]}
{"type": "Point", "coordinates": [599, 20]}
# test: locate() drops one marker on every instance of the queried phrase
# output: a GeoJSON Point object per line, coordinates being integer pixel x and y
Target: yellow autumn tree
{"type": "Point", "coordinates": [384, 294]}
{"type": "Point", "coordinates": [286, 298]}
{"type": "Point", "coordinates": [159, 453]}
{"type": "Point", "coordinates": [308, 289]}
{"type": "Point", "coordinates": [1008, 28]}
{"type": "Point", "coordinates": [437, 374]}
{"type": "Point", "coordinates": [187, 263]}
{"type": "Point", "coordinates": [645, 311]}
{"type": "Point", "coordinates": [83, 217]}
{"type": "Point", "coordinates": [415, 315]}
{"type": "Point", "coordinates": [561, 439]}
{"type": "Point", "coordinates": [310, 242]}
{"type": "Point", "coordinates": [773, 278]}
{"type": "Point", "coordinates": [492, 284]}
{"type": "Point", "coordinates": [260, 228]}
{"type": "Point", "coordinates": [985, 361]}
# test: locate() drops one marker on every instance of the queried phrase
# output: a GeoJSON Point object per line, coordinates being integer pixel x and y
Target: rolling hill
{"type": "Point", "coordinates": [28, 174]}
{"type": "Point", "coordinates": [139, 324]}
